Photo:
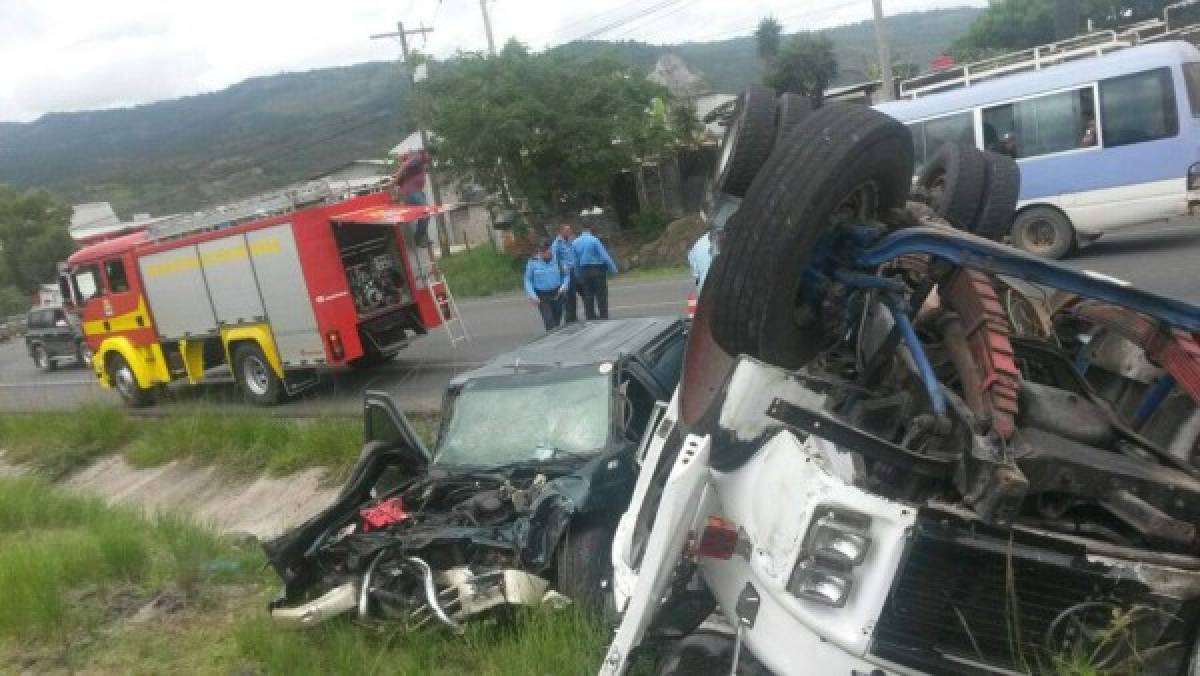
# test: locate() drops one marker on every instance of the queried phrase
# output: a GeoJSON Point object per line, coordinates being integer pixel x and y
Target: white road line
{"type": "Point", "coordinates": [49, 384]}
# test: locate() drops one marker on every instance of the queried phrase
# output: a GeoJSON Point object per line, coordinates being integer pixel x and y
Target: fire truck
{"type": "Point", "coordinates": [278, 287]}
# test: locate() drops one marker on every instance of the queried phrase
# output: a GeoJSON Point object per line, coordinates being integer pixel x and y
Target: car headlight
{"type": "Point", "coordinates": [839, 537]}
{"type": "Point", "coordinates": [814, 581]}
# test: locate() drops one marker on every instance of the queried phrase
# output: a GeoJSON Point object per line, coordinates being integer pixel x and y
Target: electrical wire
{"type": "Point", "coordinates": [641, 25]}
{"type": "Point", "coordinates": [625, 20]}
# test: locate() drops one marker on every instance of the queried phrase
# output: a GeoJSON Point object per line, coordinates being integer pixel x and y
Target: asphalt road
{"type": "Point", "coordinates": [1163, 259]}
{"type": "Point", "coordinates": [419, 373]}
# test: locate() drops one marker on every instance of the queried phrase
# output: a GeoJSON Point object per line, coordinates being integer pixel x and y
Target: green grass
{"type": "Point", "coordinates": [54, 545]}
{"type": "Point", "coordinates": [481, 272]}
{"type": "Point", "coordinates": [58, 443]}
{"type": "Point", "coordinates": [638, 274]}
{"type": "Point", "coordinates": [67, 563]}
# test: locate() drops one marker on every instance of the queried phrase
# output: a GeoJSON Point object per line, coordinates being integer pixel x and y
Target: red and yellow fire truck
{"type": "Point", "coordinates": [277, 287]}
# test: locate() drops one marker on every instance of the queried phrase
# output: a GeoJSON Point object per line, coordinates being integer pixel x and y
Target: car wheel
{"type": "Point", "coordinates": [747, 142]}
{"type": "Point", "coordinates": [1000, 195]}
{"type": "Point", "coordinates": [1044, 232]}
{"type": "Point", "coordinates": [791, 111]}
{"type": "Point", "coordinates": [126, 383]}
{"type": "Point", "coordinates": [845, 163]}
{"type": "Point", "coordinates": [83, 354]}
{"type": "Point", "coordinates": [259, 383]}
{"type": "Point", "coordinates": [42, 360]}
{"type": "Point", "coordinates": [954, 179]}
{"type": "Point", "coordinates": [583, 566]}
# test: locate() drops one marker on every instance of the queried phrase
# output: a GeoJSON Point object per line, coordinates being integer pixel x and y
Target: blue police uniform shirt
{"type": "Point", "coordinates": [542, 275]}
{"type": "Point", "coordinates": [590, 251]}
{"type": "Point", "coordinates": [563, 253]}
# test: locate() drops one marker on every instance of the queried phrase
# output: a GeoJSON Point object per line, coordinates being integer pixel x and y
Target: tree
{"type": "Point", "coordinates": [805, 65]}
{"type": "Point", "coordinates": [1009, 25]}
{"type": "Point", "coordinates": [33, 238]}
{"type": "Point", "coordinates": [767, 37]}
{"type": "Point", "coordinates": [557, 126]}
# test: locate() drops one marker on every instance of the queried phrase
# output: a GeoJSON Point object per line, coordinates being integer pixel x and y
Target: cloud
{"type": "Point", "coordinates": [74, 55]}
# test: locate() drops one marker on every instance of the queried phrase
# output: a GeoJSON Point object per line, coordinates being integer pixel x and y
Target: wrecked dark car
{"type": "Point", "coordinates": [516, 503]}
{"type": "Point", "coordinates": [899, 447]}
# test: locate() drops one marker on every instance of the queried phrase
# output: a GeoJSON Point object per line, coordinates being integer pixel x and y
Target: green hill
{"type": "Point", "coordinates": [264, 132]}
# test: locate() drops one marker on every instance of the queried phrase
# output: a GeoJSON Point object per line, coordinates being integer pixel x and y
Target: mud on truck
{"type": "Point", "coordinates": [902, 448]}
{"type": "Point", "coordinates": [278, 287]}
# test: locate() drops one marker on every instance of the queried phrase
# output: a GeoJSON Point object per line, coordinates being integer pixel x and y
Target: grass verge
{"type": "Point", "coordinates": [77, 579]}
{"type": "Point", "coordinates": [58, 443]}
{"type": "Point", "coordinates": [481, 272]}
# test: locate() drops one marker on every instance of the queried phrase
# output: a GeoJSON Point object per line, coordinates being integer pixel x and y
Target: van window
{"type": "Point", "coordinates": [1191, 78]}
{"type": "Point", "coordinates": [1138, 107]}
{"type": "Point", "coordinates": [929, 135]}
{"type": "Point", "coordinates": [1042, 125]}
{"type": "Point", "coordinates": [115, 271]}
{"type": "Point", "coordinates": [87, 282]}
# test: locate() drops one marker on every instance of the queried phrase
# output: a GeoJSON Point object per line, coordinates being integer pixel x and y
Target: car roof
{"type": "Point", "coordinates": [578, 344]}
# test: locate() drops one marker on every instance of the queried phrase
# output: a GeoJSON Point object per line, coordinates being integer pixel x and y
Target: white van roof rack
{"type": "Point", "coordinates": [1081, 47]}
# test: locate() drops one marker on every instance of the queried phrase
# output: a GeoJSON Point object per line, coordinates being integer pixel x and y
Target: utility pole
{"type": "Point", "coordinates": [487, 27]}
{"type": "Point", "coordinates": [885, 57]}
{"type": "Point", "coordinates": [410, 71]}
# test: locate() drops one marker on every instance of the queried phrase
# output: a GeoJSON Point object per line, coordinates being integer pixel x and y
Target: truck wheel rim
{"type": "Point", "coordinates": [256, 378]}
{"type": "Point", "coordinates": [125, 384]}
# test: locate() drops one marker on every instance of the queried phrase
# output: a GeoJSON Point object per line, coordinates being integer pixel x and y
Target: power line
{"type": "Point", "coordinates": [609, 12]}
{"type": "Point", "coordinates": [626, 20]}
{"type": "Point", "coordinates": [728, 33]}
{"type": "Point", "coordinates": [640, 25]}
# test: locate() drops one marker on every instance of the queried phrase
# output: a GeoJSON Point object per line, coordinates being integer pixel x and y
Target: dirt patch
{"type": "Point", "coordinates": [263, 507]}
{"type": "Point", "coordinates": [668, 249]}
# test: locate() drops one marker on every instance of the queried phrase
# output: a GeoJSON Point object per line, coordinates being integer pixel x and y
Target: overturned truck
{"type": "Point", "coordinates": [899, 447]}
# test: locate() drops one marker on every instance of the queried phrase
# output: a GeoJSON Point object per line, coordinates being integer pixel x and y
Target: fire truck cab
{"type": "Point", "coordinates": [278, 287]}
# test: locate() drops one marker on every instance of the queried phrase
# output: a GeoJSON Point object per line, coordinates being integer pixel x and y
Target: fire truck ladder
{"type": "Point", "coordinates": [231, 214]}
{"type": "Point", "coordinates": [456, 329]}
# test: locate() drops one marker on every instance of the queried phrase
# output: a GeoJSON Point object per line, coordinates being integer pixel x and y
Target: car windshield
{"type": "Point", "coordinates": [529, 417]}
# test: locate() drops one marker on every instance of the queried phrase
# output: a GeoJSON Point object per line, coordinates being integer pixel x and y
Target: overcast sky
{"type": "Point", "coordinates": [65, 55]}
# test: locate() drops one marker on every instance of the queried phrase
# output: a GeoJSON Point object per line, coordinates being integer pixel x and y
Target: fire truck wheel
{"type": "Point", "coordinates": [126, 383]}
{"type": "Point", "coordinates": [258, 380]}
{"type": "Point", "coordinates": [42, 359]}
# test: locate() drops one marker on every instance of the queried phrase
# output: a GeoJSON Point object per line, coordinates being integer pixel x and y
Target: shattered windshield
{"type": "Point", "coordinates": [536, 416]}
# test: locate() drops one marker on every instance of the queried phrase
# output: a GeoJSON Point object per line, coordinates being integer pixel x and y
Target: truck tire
{"type": "Point", "coordinates": [257, 380]}
{"type": "Point", "coordinates": [583, 566]}
{"type": "Point", "coordinates": [1000, 195]}
{"type": "Point", "coordinates": [955, 179]}
{"type": "Point", "coordinates": [1043, 231]}
{"type": "Point", "coordinates": [42, 359]}
{"type": "Point", "coordinates": [747, 142]}
{"type": "Point", "coordinates": [126, 384]}
{"type": "Point", "coordinates": [792, 110]}
{"type": "Point", "coordinates": [845, 162]}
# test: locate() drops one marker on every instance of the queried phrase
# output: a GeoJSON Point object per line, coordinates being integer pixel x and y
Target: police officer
{"type": "Point", "coordinates": [565, 255]}
{"type": "Point", "coordinates": [594, 264]}
{"type": "Point", "coordinates": [545, 285]}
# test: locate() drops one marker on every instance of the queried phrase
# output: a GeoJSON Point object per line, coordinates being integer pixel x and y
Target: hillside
{"type": "Point", "coordinates": [186, 153]}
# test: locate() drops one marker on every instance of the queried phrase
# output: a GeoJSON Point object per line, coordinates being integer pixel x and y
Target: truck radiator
{"type": "Point", "coordinates": [965, 602]}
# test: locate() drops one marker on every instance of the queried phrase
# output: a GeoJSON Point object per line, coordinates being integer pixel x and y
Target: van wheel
{"type": "Point", "coordinates": [83, 355]}
{"type": "Point", "coordinates": [845, 163]}
{"type": "Point", "coordinates": [260, 385]}
{"type": "Point", "coordinates": [1044, 232]}
{"type": "Point", "coordinates": [747, 142]}
{"type": "Point", "coordinates": [999, 197]}
{"type": "Point", "coordinates": [954, 179]}
{"type": "Point", "coordinates": [126, 383]}
{"type": "Point", "coordinates": [42, 360]}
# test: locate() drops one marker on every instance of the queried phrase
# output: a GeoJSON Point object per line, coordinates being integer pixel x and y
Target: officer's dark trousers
{"type": "Point", "coordinates": [550, 307]}
{"type": "Point", "coordinates": [570, 299]}
{"type": "Point", "coordinates": [593, 286]}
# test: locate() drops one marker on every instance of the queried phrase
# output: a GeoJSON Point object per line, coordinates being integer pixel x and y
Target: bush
{"type": "Point", "coordinates": [649, 223]}
{"type": "Point", "coordinates": [481, 272]}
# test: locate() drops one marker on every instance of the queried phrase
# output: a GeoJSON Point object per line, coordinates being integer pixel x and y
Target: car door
{"type": "Point", "coordinates": [60, 337]}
